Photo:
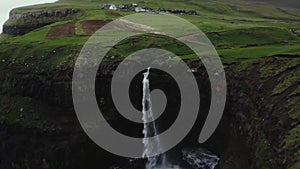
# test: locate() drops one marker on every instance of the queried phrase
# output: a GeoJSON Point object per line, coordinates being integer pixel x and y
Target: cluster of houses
{"type": "Point", "coordinates": [178, 11]}
{"type": "Point", "coordinates": [136, 8]}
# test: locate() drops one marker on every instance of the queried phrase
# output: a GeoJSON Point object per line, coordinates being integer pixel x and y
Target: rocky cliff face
{"type": "Point", "coordinates": [268, 94]}
{"type": "Point", "coordinates": [257, 109]}
{"type": "Point", "coordinates": [22, 23]}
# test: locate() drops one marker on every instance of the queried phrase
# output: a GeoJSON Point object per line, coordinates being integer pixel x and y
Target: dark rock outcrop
{"type": "Point", "coordinates": [253, 111]}
{"type": "Point", "coordinates": [20, 24]}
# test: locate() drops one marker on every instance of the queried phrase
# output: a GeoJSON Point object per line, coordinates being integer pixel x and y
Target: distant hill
{"type": "Point", "coordinates": [280, 3]}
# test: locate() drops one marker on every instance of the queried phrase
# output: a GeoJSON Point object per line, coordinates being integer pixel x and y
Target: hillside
{"type": "Point", "coordinates": [258, 45]}
{"type": "Point", "coordinates": [279, 3]}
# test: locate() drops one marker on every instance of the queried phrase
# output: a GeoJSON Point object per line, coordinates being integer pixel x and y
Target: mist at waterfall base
{"type": "Point", "coordinates": [194, 158]}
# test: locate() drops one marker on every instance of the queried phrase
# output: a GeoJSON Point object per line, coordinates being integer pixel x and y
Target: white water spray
{"type": "Point", "coordinates": [149, 125]}
{"type": "Point", "coordinates": [198, 159]}
{"type": "Point", "coordinates": [159, 161]}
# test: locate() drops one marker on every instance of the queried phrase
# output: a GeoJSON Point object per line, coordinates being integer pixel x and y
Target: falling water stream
{"type": "Point", "coordinates": [148, 120]}
{"type": "Point", "coordinates": [197, 158]}
{"type": "Point", "coordinates": [159, 161]}
{"type": "Point", "coordinates": [191, 158]}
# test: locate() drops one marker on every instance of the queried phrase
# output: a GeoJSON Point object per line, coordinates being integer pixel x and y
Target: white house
{"type": "Point", "coordinates": [112, 7]}
{"type": "Point", "coordinates": [138, 9]}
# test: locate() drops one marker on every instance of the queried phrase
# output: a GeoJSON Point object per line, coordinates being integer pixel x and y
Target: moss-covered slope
{"type": "Point", "coordinates": [258, 45]}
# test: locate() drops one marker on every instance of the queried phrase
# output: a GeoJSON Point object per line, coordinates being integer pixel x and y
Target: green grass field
{"type": "Point", "coordinates": [244, 33]}
{"type": "Point", "coordinates": [238, 29]}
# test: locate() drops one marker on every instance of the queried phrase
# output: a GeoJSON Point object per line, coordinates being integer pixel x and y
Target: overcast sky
{"type": "Point", "coordinates": [7, 5]}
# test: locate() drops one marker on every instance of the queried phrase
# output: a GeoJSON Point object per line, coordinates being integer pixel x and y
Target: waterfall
{"type": "Point", "coordinates": [159, 161]}
{"type": "Point", "coordinates": [149, 125]}
{"type": "Point", "coordinates": [197, 158]}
